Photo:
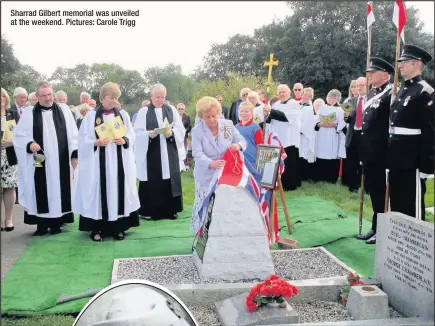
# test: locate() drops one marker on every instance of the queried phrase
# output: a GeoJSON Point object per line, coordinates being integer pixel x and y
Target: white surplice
{"type": "Point", "coordinates": [23, 135]}
{"type": "Point", "coordinates": [142, 138]}
{"type": "Point", "coordinates": [330, 142]}
{"type": "Point", "coordinates": [308, 134]}
{"type": "Point", "coordinates": [288, 132]}
{"type": "Point", "coordinates": [88, 196]}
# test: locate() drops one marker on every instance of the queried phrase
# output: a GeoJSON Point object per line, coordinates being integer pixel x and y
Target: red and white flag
{"type": "Point", "coordinates": [399, 18]}
{"type": "Point", "coordinates": [370, 14]}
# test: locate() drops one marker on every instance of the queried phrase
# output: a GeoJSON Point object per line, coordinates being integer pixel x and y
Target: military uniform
{"type": "Point", "coordinates": [410, 156]}
{"type": "Point", "coordinates": [374, 142]}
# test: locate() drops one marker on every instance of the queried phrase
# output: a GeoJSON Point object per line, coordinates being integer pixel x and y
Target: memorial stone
{"type": "Point", "coordinates": [237, 247]}
{"type": "Point", "coordinates": [404, 263]}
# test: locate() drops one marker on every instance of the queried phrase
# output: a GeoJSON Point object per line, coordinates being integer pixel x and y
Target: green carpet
{"type": "Point", "coordinates": [71, 263]}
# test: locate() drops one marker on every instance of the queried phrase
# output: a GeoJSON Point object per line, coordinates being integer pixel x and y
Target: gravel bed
{"type": "Point", "coordinates": [290, 265]}
{"type": "Point", "coordinates": [309, 312]}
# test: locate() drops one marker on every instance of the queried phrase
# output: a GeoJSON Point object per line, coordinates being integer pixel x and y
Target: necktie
{"type": "Point", "coordinates": [358, 120]}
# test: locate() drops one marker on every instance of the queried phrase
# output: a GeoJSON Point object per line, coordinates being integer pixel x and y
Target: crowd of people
{"type": "Point", "coordinates": [61, 166]}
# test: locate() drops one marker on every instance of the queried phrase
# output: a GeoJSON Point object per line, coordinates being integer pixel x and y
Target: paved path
{"type": "Point", "coordinates": [14, 242]}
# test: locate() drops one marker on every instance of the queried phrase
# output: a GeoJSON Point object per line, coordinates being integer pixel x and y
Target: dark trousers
{"type": "Point", "coordinates": [375, 179]}
{"type": "Point", "coordinates": [403, 192]}
{"type": "Point", "coordinates": [353, 167]}
{"type": "Point", "coordinates": [291, 177]}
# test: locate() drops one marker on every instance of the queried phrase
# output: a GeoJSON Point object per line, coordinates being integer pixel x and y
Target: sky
{"type": "Point", "coordinates": [164, 32]}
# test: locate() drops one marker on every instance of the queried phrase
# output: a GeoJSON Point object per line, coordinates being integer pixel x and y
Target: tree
{"type": "Point", "coordinates": [9, 64]}
{"type": "Point", "coordinates": [180, 88]}
{"type": "Point", "coordinates": [234, 56]}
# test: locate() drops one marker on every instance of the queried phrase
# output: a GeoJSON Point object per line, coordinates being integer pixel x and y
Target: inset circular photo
{"type": "Point", "coordinates": [135, 303]}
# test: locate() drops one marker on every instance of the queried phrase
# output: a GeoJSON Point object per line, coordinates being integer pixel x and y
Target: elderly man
{"type": "Point", "coordinates": [158, 129]}
{"type": "Point", "coordinates": [225, 109]}
{"type": "Point", "coordinates": [32, 99]}
{"type": "Point", "coordinates": [297, 90]}
{"type": "Point", "coordinates": [20, 97]}
{"type": "Point", "coordinates": [410, 155]}
{"type": "Point", "coordinates": [61, 97]}
{"type": "Point", "coordinates": [45, 141]}
{"type": "Point", "coordinates": [234, 110]}
{"type": "Point", "coordinates": [85, 97]}
{"type": "Point", "coordinates": [92, 103]}
{"type": "Point", "coordinates": [374, 137]}
{"type": "Point", "coordinates": [144, 104]}
{"type": "Point", "coordinates": [351, 176]}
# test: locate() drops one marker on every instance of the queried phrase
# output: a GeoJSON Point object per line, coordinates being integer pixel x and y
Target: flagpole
{"type": "Point", "coordinates": [361, 196]}
{"type": "Point", "coordinates": [396, 81]}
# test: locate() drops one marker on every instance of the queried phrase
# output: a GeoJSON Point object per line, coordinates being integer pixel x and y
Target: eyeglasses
{"type": "Point", "coordinates": [297, 90]}
{"type": "Point", "coordinates": [219, 100]}
{"type": "Point", "coordinates": [246, 94]}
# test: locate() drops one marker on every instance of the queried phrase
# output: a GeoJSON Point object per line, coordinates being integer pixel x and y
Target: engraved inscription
{"type": "Point", "coordinates": [409, 256]}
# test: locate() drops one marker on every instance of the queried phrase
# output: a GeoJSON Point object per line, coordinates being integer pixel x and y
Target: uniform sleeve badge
{"type": "Point", "coordinates": [98, 121]}
{"type": "Point", "coordinates": [405, 103]}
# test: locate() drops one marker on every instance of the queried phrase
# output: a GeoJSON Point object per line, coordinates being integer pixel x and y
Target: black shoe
{"type": "Point", "coordinates": [366, 236]}
{"type": "Point", "coordinates": [56, 231]}
{"type": "Point", "coordinates": [174, 217]}
{"type": "Point", "coordinates": [40, 232]}
{"type": "Point", "coordinates": [2, 229]}
{"type": "Point", "coordinates": [93, 234]}
{"type": "Point", "coordinates": [372, 240]}
{"type": "Point", "coordinates": [146, 218]}
{"type": "Point", "coordinates": [119, 235]}
{"type": "Point", "coordinates": [9, 228]}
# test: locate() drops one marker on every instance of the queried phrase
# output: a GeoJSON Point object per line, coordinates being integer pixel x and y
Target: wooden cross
{"type": "Point", "coordinates": [270, 63]}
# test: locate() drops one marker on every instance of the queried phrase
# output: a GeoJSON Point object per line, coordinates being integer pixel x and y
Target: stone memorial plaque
{"type": "Point", "coordinates": [404, 263]}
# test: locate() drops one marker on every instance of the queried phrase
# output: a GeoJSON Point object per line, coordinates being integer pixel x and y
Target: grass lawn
{"type": "Point", "coordinates": [337, 194]}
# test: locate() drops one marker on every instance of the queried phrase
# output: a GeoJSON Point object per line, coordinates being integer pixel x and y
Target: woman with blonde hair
{"type": "Point", "coordinates": [9, 166]}
{"type": "Point", "coordinates": [106, 196]}
{"type": "Point", "coordinates": [352, 90]}
{"type": "Point", "coordinates": [211, 138]}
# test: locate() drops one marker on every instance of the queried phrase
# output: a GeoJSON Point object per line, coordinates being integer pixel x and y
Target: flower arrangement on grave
{"type": "Point", "coordinates": [352, 279]}
{"type": "Point", "coordinates": [272, 290]}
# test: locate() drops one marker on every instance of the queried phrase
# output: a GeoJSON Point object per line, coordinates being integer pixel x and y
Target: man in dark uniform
{"type": "Point", "coordinates": [374, 137]}
{"type": "Point", "coordinates": [410, 157]}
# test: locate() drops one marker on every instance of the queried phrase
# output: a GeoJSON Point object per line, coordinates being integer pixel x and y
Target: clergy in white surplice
{"type": "Point", "coordinates": [330, 139]}
{"type": "Point", "coordinates": [308, 134]}
{"type": "Point", "coordinates": [158, 129]}
{"type": "Point", "coordinates": [285, 121]}
{"type": "Point", "coordinates": [45, 141]}
{"type": "Point", "coordinates": [106, 196]}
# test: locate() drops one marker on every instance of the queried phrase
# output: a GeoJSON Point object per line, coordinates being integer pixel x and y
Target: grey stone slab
{"type": "Point", "coordinates": [367, 302]}
{"type": "Point", "coordinates": [235, 213]}
{"type": "Point", "coordinates": [233, 312]}
{"type": "Point", "coordinates": [222, 250]}
{"type": "Point", "coordinates": [404, 263]}
{"type": "Point", "coordinates": [237, 246]}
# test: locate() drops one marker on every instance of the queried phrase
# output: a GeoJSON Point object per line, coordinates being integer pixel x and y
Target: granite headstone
{"type": "Point", "coordinates": [237, 245]}
{"type": "Point", "coordinates": [404, 263]}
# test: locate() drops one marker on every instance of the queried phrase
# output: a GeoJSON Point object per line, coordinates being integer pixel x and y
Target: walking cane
{"type": "Point", "coordinates": [361, 199]}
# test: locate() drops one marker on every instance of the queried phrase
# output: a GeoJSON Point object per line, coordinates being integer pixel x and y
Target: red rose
{"type": "Point", "coordinates": [295, 290]}
{"type": "Point", "coordinates": [265, 291]}
{"type": "Point", "coordinates": [287, 291]}
{"type": "Point", "coordinates": [252, 306]}
{"type": "Point", "coordinates": [351, 275]}
{"type": "Point", "coordinates": [276, 290]}
{"type": "Point", "coordinates": [344, 300]}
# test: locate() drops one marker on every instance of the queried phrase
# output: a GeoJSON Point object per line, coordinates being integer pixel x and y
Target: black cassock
{"type": "Point", "coordinates": [410, 144]}
{"type": "Point", "coordinates": [160, 199]}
